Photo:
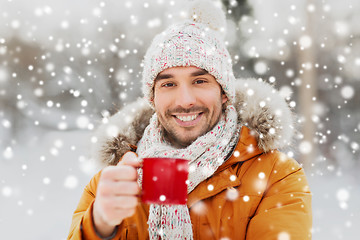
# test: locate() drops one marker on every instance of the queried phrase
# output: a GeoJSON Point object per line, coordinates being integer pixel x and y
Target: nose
{"type": "Point", "coordinates": [186, 97]}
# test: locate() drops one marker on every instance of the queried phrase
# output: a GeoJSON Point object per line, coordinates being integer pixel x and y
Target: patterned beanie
{"type": "Point", "coordinates": [198, 42]}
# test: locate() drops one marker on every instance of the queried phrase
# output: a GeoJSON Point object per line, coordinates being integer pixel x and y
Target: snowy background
{"type": "Point", "coordinates": [66, 64]}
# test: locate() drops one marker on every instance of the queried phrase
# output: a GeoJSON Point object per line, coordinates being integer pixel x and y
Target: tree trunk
{"type": "Point", "coordinates": [308, 90]}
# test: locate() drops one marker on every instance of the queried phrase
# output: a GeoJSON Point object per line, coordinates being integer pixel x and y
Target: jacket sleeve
{"type": "Point", "coordinates": [284, 212]}
{"type": "Point", "coordinates": [82, 226]}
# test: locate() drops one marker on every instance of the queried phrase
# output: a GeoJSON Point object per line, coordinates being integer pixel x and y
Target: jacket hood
{"type": "Point", "coordinates": [260, 108]}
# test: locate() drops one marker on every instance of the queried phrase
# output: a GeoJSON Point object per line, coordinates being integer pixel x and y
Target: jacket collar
{"type": "Point", "coordinates": [260, 109]}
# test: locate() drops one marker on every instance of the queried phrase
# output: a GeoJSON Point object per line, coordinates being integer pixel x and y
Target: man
{"type": "Point", "coordinates": [240, 186]}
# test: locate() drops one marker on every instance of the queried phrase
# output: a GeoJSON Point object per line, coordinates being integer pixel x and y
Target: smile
{"type": "Point", "coordinates": [187, 118]}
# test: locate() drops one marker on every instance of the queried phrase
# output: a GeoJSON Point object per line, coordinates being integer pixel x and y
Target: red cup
{"type": "Point", "coordinates": [164, 180]}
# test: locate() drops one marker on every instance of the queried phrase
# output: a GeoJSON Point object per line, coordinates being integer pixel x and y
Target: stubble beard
{"type": "Point", "coordinates": [177, 139]}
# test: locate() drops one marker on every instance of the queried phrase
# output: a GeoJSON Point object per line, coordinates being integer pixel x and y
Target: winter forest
{"type": "Point", "coordinates": [64, 65]}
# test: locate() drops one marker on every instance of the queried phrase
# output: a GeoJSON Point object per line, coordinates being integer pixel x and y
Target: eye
{"type": "Point", "coordinates": [200, 81]}
{"type": "Point", "coordinates": [168, 84]}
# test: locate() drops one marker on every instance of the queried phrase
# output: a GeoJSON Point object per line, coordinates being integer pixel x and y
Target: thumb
{"type": "Point", "coordinates": [130, 158]}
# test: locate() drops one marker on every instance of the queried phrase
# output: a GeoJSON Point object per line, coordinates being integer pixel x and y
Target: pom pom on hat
{"type": "Point", "coordinates": [206, 12]}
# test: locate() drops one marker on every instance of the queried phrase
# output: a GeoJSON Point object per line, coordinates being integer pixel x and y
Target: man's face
{"type": "Point", "coordinates": [188, 102]}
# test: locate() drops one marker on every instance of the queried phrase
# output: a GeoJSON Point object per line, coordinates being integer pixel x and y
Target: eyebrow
{"type": "Point", "coordinates": [198, 72]}
{"type": "Point", "coordinates": [163, 76]}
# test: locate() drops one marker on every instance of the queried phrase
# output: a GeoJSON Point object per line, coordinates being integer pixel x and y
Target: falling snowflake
{"type": "Point", "coordinates": [7, 191]}
{"type": "Point", "coordinates": [260, 67]}
{"type": "Point", "coordinates": [46, 181]}
{"type": "Point", "coordinates": [283, 236]}
{"type": "Point", "coordinates": [112, 131]}
{"type": "Point", "coordinates": [82, 122]}
{"type": "Point", "coordinates": [8, 153]}
{"type": "Point", "coordinates": [232, 194]}
{"type": "Point", "coordinates": [236, 153]}
{"type": "Point", "coordinates": [71, 182]}
{"type": "Point", "coordinates": [347, 92]}
{"type": "Point", "coordinates": [261, 175]}
{"type": "Point", "coordinates": [305, 147]}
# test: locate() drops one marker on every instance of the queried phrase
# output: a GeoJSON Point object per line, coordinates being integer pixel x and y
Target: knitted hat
{"type": "Point", "coordinates": [198, 42]}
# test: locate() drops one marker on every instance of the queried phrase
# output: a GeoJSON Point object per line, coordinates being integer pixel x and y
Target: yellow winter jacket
{"type": "Point", "coordinates": [256, 195]}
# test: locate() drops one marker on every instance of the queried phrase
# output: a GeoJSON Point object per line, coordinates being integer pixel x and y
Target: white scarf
{"type": "Point", "coordinates": [206, 154]}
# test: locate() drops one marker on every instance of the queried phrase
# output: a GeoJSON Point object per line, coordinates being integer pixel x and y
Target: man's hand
{"type": "Point", "coordinates": [116, 195]}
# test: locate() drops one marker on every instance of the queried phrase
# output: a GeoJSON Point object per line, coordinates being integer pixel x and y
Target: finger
{"type": "Point", "coordinates": [128, 188]}
{"type": "Point", "coordinates": [116, 216]}
{"type": "Point", "coordinates": [129, 212]}
{"type": "Point", "coordinates": [130, 158]}
{"type": "Point", "coordinates": [124, 213]}
{"type": "Point", "coordinates": [122, 202]}
{"type": "Point", "coordinates": [119, 173]}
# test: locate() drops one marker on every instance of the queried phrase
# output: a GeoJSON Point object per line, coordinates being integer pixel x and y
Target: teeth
{"type": "Point", "coordinates": [187, 118]}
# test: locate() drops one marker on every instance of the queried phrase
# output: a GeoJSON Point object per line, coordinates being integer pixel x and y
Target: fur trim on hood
{"type": "Point", "coordinates": [260, 107]}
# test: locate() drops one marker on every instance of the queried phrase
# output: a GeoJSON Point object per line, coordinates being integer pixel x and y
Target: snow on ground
{"type": "Point", "coordinates": [336, 208]}
{"type": "Point", "coordinates": [41, 185]}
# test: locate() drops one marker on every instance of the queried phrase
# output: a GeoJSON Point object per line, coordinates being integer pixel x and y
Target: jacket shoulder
{"type": "Point", "coordinates": [261, 174]}
{"type": "Point", "coordinates": [285, 205]}
{"type": "Point", "coordinates": [283, 168]}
